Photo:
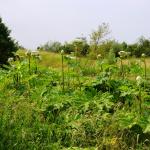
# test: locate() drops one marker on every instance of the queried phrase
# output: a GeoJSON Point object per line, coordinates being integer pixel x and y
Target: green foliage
{"type": "Point", "coordinates": [79, 46]}
{"type": "Point", "coordinates": [97, 38]}
{"type": "Point", "coordinates": [99, 44]}
{"type": "Point", "coordinates": [111, 59]}
{"type": "Point", "coordinates": [99, 35]}
{"type": "Point", "coordinates": [7, 44]}
{"type": "Point", "coordinates": [99, 110]}
{"type": "Point", "coordinates": [52, 46]}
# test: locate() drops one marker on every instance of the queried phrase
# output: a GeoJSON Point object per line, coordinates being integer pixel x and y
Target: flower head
{"type": "Point", "coordinates": [122, 54]}
{"type": "Point", "coordinates": [62, 52]}
{"type": "Point", "coordinates": [69, 57]}
{"type": "Point", "coordinates": [99, 56]}
{"type": "Point", "coordinates": [143, 55]}
{"type": "Point", "coordinates": [10, 59]}
{"type": "Point", "coordinates": [139, 80]}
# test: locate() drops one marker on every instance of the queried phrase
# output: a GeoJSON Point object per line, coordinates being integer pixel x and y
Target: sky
{"type": "Point", "coordinates": [34, 22]}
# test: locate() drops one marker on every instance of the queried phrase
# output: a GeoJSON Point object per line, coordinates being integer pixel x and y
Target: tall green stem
{"type": "Point", "coordinates": [122, 69]}
{"type": "Point", "coordinates": [145, 68]}
{"type": "Point", "coordinates": [63, 72]}
{"type": "Point", "coordinates": [140, 100]}
{"type": "Point", "coordinates": [29, 59]}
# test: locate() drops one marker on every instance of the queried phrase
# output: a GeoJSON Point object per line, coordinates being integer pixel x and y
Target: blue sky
{"type": "Point", "coordinates": [34, 22]}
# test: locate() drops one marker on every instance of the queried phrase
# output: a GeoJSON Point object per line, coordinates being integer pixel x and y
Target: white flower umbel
{"type": "Point", "coordinates": [62, 52]}
{"type": "Point", "coordinates": [139, 80]}
{"type": "Point", "coordinates": [99, 56]}
{"type": "Point", "coordinates": [10, 60]}
{"type": "Point", "coordinates": [145, 66]}
{"type": "Point", "coordinates": [122, 54]}
{"type": "Point", "coordinates": [143, 55]}
{"type": "Point", "coordinates": [70, 57]}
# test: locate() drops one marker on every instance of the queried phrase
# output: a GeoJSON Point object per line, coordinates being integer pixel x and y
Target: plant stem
{"type": "Point", "coordinates": [62, 72]}
{"type": "Point", "coordinates": [122, 69]}
{"type": "Point", "coordinates": [145, 68]}
{"type": "Point", "coordinates": [29, 59]}
{"type": "Point", "coordinates": [36, 66]}
{"type": "Point", "coordinates": [68, 76]}
{"type": "Point", "coordinates": [140, 100]}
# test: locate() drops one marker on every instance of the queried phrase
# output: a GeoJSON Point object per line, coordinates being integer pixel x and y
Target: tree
{"type": "Point", "coordinates": [81, 46]}
{"type": "Point", "coordinates": [7, 44]}
{"type": "Point", "coordinates": [98, 36]}
{"type": "Point", "coordinates": [52, 46]}
{"type": "Point", "coordinates": [117, 47]}
{"type": "Point", "coordinates": [105, 47]}
{"type": "Point", "coordinates": [68, 48]}
{"type": "Point", "coordinates": [143, 47]}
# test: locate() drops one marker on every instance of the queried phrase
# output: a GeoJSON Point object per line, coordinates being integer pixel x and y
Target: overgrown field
{"type": "Point", "coordinates": [102, 104]}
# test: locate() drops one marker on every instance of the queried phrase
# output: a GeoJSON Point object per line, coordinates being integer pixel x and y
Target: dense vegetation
{"type": "Point", "coordinates": [99, 43]}
{"type": "Point", "coordinates": [103, 104]}
{"type": "Point", "coordinates": [7, 45]}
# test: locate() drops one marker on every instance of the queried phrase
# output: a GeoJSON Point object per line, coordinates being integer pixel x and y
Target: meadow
{"type": "Point", "coordinates": [52, 101]}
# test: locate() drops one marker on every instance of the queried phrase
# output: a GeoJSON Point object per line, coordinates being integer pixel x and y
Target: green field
{"type": "Point", "coordinates": [75, 104]}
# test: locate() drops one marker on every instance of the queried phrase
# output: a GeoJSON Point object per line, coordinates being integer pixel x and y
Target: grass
{"type": "Point", "coordinates": [47, 59]}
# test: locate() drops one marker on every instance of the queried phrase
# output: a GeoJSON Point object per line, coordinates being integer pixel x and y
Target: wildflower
{"type": "Point", "coordinates": [139, 80]}
{"type": "Point", "coordinates": [122, 54]}
{"type": "Point", "coordinates": [143, 55]}
{"type": "Point", "coordinates": [62, 52]}
{"type": "Point", "coordinates": [69, 57]}
{"type": "Point", "coordinates": [10, 59]}
{"type": "Point", "coordinates": [99, 56]}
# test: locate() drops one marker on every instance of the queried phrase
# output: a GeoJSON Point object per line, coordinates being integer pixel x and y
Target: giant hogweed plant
{"type": "Point", "coordinates": [70, 69]}
{"type": "Point", "coordinates": [122, 55]}
{"type": "Point", "coordinates": [74, 71]}
{"type": "Point", "coordinates": [36, 59]}
{"type": "Point", "coordinates": [16, 69]}
{"type": "Point", "coordinates": [23, 79]}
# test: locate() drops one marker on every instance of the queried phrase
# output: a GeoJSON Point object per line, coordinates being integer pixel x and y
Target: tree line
{"type": "Point", "coordinates": [99, 43]}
